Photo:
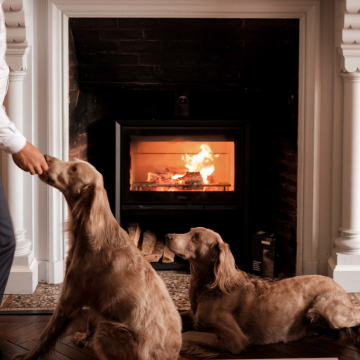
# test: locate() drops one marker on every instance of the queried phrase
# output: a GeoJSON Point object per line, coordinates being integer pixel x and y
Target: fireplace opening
{"type": "Point", "coordinates": [182, 162]}
{"type": "Point", "coordinates": [173, 164]}
{"type": "Point", "coordinates": [224, 90]}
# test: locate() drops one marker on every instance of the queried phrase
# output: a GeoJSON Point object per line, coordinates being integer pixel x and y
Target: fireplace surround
{"type": "Point", "coordinates": [154, 64]}
{"type": "Point", "coordinates": [327, 191]}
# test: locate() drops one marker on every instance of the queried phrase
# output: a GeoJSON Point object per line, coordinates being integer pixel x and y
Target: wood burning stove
{"type": "Point", "coordinates": [176, 174]}
{"type": "Point", "coordinates": [164, 165]}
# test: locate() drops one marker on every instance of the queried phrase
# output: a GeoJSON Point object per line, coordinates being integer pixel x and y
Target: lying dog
{"type": "Point", "coordinates": [132, 316]}
{"type": "Point", "coordinates": [231, 311]}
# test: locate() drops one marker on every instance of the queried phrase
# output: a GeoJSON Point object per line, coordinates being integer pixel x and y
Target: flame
{"type": "Point", "coordinates": [177, 176]}
{"type": "Point", "coordinates": [200, 162]}
{"type": "Point", "coordinates": [197, 162]}
{"type": "Point", "coordinates": [206, 172]}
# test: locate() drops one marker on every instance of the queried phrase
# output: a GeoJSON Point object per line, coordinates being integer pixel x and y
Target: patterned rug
{"type": "Point", "coordinates": [46, 296]}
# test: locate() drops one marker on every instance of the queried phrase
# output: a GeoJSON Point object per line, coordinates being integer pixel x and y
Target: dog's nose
{"type": "Point", "coordinates": [168, 237]}
{"type": "Point", "coordinates": [47, 158]}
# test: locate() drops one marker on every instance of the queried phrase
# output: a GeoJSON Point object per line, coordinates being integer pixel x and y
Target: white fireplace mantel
{"type": "Point", "coordinates": [308, 13]}
{"type": "Point", "coordinates": [320, 141]}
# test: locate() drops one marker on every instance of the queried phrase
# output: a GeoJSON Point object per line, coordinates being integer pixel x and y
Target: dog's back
{"type": "Point", "coordinates": [130, 299]}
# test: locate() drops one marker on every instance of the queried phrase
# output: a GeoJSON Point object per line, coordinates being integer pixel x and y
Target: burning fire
{"type": "Point", "coordinates": [196, 172]}
{"type": "Point", "coordinates": [198, 162]}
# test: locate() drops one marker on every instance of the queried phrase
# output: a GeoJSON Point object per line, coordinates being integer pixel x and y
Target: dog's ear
{"type": "Point", "coordinates": [90, 203]}
{"type": "Point", "coordinates": [98, 206]}
{"type": "Point", "coordinates": [226, 274]}
{"type": "Point", "coordinates": [82, 204]}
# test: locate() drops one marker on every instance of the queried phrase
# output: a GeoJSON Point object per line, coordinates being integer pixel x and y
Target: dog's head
{"type": "Point", "coordinates": [82, 186]}
{"type": "Point", "coordinates": [196, 245]}
{"type": "Point", "coordinates": [204, 247]}
{"type": "Point", "coordinates": [70, 177]}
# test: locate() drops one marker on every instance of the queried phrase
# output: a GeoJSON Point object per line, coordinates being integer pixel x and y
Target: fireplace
{"type": "Point", "coordinates": [122, 112]}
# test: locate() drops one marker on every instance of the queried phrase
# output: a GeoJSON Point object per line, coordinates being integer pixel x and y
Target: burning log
{"type": "Point", "coordinates": [177, 171]}
{"type": "Point", "coordinates": [165, 177]}
{"type": "Point", "coordinates": [176, 176]}
{"type": "Point", "coordinates": [134, 233]}
{"type": "Point", "coordinates": [182, 170]}
{"type": "Point", "coordinates": [148, 244]}
{"type": "Point", "coordinates": [153, 178]}
{"type": "Point", "coordinates": [159, 178]}
{"type": "Point", "coordinates": [168, 255]}
{"type": "Point", "coordinates": [157, 253]}
{"type": "Point", "coordinates": [193, 178]}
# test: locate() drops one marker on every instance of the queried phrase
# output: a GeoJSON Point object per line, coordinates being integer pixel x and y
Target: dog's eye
{"type": "Point", "coordinates": [74, 168]}
{"type": "Point", "coordinates": [196, 236]}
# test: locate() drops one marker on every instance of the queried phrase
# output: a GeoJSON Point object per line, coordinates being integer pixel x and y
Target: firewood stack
{"type": "Point", "coordinates": [134, 233]}
{"type": "Point", "coordinates": [153, 249]}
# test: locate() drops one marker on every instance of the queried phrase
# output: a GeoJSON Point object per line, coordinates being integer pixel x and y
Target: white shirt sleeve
{"type": "Point", "coordinates": [11, 140]}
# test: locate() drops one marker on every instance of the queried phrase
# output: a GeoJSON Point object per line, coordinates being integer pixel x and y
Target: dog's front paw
{"type": "Point", "coordinates": [192, 348]}
{"type": "Point", "coordinates": [80, 339]}
{"type": "Point", "coordinates": [189, 348]}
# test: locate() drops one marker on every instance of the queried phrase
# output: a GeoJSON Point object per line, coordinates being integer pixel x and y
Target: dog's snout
{"type": "Point", "coordinates": [47, 158]}
{"type": "Point", "coordinates": [168, 237]}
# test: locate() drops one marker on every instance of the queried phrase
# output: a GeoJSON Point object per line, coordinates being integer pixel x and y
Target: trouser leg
{"type": "Point", "coordinates": [7, 242]}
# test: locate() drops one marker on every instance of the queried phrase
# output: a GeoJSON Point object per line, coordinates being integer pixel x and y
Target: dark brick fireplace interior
{"type": "Point", "coordinates": [231, 69]}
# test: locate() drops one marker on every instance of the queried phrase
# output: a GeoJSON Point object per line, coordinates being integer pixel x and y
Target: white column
{"type": "Point", "coordinates": [23, 276]}
{"type": "Point", "coordinates": [14, 180]}
{"type": "Point", "coordinates": [344, 264]}
{"type": "Point", "coordinates": [349, 240]}
{"type": "Point", "coordinates": [345, 260]}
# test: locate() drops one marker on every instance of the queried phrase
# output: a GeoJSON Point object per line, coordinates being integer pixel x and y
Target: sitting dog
{"type": "Point", "coordinates": [132, 316]}
{"type": "Point", "coordinates": [229, 311]}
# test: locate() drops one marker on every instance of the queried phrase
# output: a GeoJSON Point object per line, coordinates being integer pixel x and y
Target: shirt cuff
{"type": "Point", "coordinates": [15, 144]}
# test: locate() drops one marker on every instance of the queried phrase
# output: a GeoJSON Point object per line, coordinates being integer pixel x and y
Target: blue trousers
{"type": "Point", "coordinates": [7, 242]}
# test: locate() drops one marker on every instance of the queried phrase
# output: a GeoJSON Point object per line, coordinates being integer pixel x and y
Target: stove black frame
{"type": "Point", "coordinates": [207, 133]}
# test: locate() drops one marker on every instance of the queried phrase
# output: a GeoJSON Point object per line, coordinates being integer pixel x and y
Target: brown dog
{"type": "Point", "coordinates": [231, 311]}
{"type": "Point", "coordinates": [131, 313]}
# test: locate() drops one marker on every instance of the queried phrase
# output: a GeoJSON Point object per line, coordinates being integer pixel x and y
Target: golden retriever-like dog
{"type": "Point", "coordinates": [229, 311]}
{"type": "Point", "coordinates": [131, 314]}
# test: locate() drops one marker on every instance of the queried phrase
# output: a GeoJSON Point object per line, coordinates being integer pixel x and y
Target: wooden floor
{"type": "Point", "coordinates": [18, 333]}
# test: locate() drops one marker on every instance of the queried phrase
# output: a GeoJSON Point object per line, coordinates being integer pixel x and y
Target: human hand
{"type": "Point", "coordinates": [30, 159]}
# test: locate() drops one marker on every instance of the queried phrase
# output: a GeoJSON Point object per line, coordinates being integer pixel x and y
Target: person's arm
{"type": "Point", "coordinates": [11, 140]}
{"type": "Point", "coordinates": [26, 156]}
